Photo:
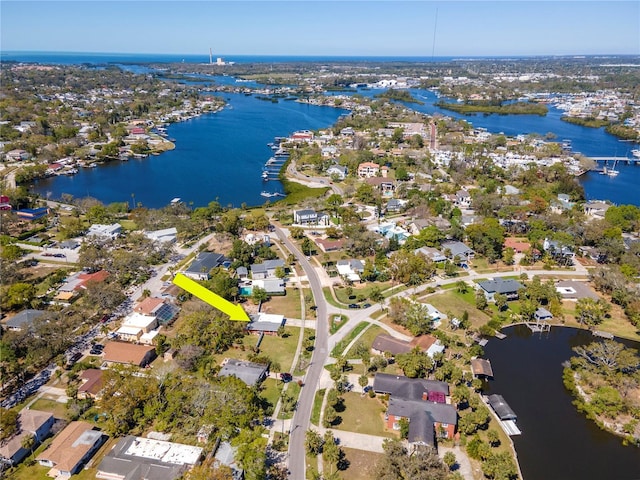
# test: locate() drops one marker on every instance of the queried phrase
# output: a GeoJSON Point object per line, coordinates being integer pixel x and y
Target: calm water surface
{"type": "Point", "coordinates": [557, 442]}
{"type": "Point", "coordinates": [217, 156]}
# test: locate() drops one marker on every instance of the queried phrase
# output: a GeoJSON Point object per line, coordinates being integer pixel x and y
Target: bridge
{"type": "Point", "coordinates": [616, 159]}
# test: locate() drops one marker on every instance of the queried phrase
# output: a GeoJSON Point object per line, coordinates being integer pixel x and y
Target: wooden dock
{"type": "Point", "coordinates": [537, 327]}
{"type": "Point", "coordinates": [601, 334]}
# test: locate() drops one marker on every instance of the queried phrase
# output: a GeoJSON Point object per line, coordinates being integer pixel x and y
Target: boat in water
{"type": "Point", "coordinates": [272, 194]}
{"type": "Point", "coordinates": [636, 152]}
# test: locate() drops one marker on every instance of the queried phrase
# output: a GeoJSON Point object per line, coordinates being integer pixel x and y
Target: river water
{"type": "Point", "coordinates": [217, 156]}
{"type": "Point", "coordinates": [557, 441]}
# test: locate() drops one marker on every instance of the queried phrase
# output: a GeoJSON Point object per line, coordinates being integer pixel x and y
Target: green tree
{"type": "Point", "coordinates": [313, 443]}
{"type": "Point", "coordinates": [8, 423]}
{"type": "Point", "coordinates": [259, 295]}
{"type": "Point", "coordinates": [591, 312]}
{"type": "Point", "coordinates": [481, 301]}
{"type": "Point", "coordinates": [18, 295]}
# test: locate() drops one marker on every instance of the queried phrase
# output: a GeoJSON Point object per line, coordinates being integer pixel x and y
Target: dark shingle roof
{"type": "Point", "coordinates": [249, 372]}
{"type": "Point", "coordinates": [501, 407]}
{"type": "Point", "coordinates": [437, 412]}
{"type": "Point", "coordinates": [407, 388]}
{"type": "Point", "coordinates": [205, 261]}
{"type": "Point", "coordinates": [386, 343]}
{"type": "Point", "coordinates": [500, 285]}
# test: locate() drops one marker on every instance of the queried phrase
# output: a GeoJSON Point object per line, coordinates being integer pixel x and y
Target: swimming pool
{"type": "Point", "coordinates": [246, 291]}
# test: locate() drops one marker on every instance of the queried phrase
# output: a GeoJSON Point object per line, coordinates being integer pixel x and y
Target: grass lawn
{"type": "Point", "coordinates": [337, 321]}
{"type": "Point", "coordinates": [367, 339]}
{"type": "Point", "coordinates": [342, 344]}
{"type": "Point", "coordinates": [326, 291]}
{"type": "Point", "coordinates": [59, 410]}
{"type": "Point", "coordinates": [287, 305]}
{"type": "Point", "coordinates": [361, 464]}
{"type": "Point", "coordinates": [481, 265]}
{"type": "Point", "coordinates": [363, 290]}
{"type": "Point", "coordinates": [617, 323]}
{"type": "Point", "coordinates": [293, 390]}
{"type": "Point", "coordinates": [363, 415]}
{"type": "Point", "coordinates": [317, 406]}
{"type": "Point", "coordinates": [454, 303]}
{"type": "Point", "coordinates": [128, 225]}
{"type": "Point", "coordinates": [270, 391]}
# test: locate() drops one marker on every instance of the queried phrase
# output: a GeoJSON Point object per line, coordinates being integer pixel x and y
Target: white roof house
{"type": "Point", "coordinates": [167, 235]}
{"type": "Point", "coordinates": [138, 320]}
{"type": "Point", "coordinates": [104, 231]}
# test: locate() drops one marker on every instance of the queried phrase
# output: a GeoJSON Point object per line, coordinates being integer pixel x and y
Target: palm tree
{"type": "Point", "coordinates": [28, 442]}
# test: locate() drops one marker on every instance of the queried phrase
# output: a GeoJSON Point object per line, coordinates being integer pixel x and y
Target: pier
{"type": "Point", "coordinates": [632, 160]}
{"type": "Point", "coordinates": [538, 326]}
{"type": "Point", "coordinates": [601, 334]}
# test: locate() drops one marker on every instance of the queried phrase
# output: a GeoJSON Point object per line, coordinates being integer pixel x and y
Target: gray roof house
{"type": "Point", "coordinates": [507, 287]}
{"type": "Point", "coordinates": [338, 170]}
{"type": "Point", "coordinates": [431, 253]}
{"type": "Point", "coordinates": [203, 264]}
{"type": "Point", "coordinates": [310, 217]}
{"type": "Point", "coordinates": [31, 422]}
{"type": "Point", "coordinates": [458, 249]}
{"type": "Point", "coordinates": [249, 372]}
{"type": "Point", "coordinates": [24, 319]}
{"type": "Point", "coordinates": [542, 314]}
{"type": "Point", "coordinates": [267, 269]}
{"type": "Point", "coordinates": [422, 417]}
{"type": "Point", "coordinates": [407, 388]}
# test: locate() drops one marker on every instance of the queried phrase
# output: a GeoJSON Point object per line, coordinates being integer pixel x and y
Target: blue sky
{"type": "Point", "coordinates": [385, 28]}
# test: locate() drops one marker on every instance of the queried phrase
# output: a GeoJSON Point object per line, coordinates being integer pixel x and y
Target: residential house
{"type": "Point", "coordinates": [17, 155]}
{"type": "Point", "coordinates": [596, 209]}
{"type": "Point", "coordinates": [329, 245]}
{"type": "Point", "coordinates": [368, 170]}
{"type": "Point", "coordinates": [562, 203]}
{"type": "Point", "coordinates": [458, 249]}
{"type": "Point", "coordinates": [91, 385]}
{"type": "Point", "coordinates": [203, 264]}
{"type": "Point", "coordinates": [70, 449]}
{"type": "Point", "coordinates": [509, 288]}
{"type": "Point", "coordinates": [422, 402]}
{"type": "Point", "coordinates": [30, 422]}
{"type": "Point", "coordinates": [519, 246]}
{"type": "Point", "coordinates": [481, 367]}
{"type": "Point", "coordinates": [273, 286]}
{"type": "Point", "coordinates": [80, 280]}
{"type": "Point", "coordinates": [310, 217]}
{"type": "Point", "coordinates": [225, 455]}
{"type": "Point", "coordinates": [350, 269]}
{"type": "Point", "coordinates": [146, 458]}
{"type": "Point", "coordinates": [167, 235]}
{"type": "Point", "coordinates": [558, 250]}
{"type": "Point", "coordinates": [431, 253]}
{"type": "Point", "coordinates": [31, 214]}
{"type": "Point", "coordinates": [386, 343]}
{"type": "Point", "coordinates": [157, 308]}
{"type": "Point", "coordinates": [242, 273]}
{"type": "Point", "coordinates": [395, 205]}
{"type": "Point", "coordinates": [104, 232]}
{"type": "Point", "coordinates": [24, 319]}
{"type": "Point", "coordinates": [386, 186]}
{"type": "Point", "coordinates": [463, 199]}
{"type": "Point", "coordinates": [128, 353]}
{"type": "Point", "coordinates": [135, 325]}
{"type": "Point", "coordinates": [266, 269]}
{"type": "Point", "coordinates": [339, 171]}
{"type": "Point", "coordinates": [302, 136]}
{"type": "Point", "coordinates": [249, 372]}
{"type": "Point", "coordinates": [265, 323]}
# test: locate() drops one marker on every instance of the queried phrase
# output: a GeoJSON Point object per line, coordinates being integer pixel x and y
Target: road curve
{"type": "Point", "coordinates": [302, 416]}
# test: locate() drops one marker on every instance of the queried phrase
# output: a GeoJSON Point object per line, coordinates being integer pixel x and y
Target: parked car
{"type": "Point", "coordinates": [354, 305]}
{"type": "Point", "coordinates": [366, 305]}
{"type": "Point", "coordinates": [286, 377]}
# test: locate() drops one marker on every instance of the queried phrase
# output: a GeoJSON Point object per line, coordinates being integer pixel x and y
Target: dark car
{"type": "Point", "coordinates": [286, 377]}
{"type": "Point", "coordinates": [313, 307]}
{"type": "Point", "coordinates": [59, 255]}
{"type": "Point", "coordinates": [366, 305]}
{"type": "Point", "coordinates": [354, 305]}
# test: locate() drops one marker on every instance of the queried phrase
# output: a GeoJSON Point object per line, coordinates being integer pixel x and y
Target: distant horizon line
{"type": "Point", "coordinates": [342, 55]}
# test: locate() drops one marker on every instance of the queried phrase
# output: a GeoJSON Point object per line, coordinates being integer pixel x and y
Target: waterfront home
{"type": "Point", "coordinates": [70, 449]}
{"type": "Point", "coordinates": [167, 235]}
{"type": "Point", "coordinates": [104, 232]}
{"type": "Point", "coordinates": [249, 372]}
{"type": "Point", "coordinates": [30, 423]}
{"type": "Point", "coordinates": [542, 314]}
{"type": "Point", "coordinates": [368, 169]}
{"type": "Point", "coordinates": [266, 269]}
{"type": "Point", "coordinates": [203, 264]}
{"type": "Point", "coordinates": [410, 388]}
{"type": "Point", "coordinates": [508, 288]}
{"type": "Point", "coordinates": [138, 457]}
{"type": "Point", "coordinates": [481, 367]}
{"type": "Point", "coordinates": [33, 213]}
{"type": "Point", "coordinates": [427, 420]}
{"type": "Point", "coordinates": [596, 209]}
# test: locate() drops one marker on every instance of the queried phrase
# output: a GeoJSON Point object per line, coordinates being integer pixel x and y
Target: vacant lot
{"type": "Point", "coordinates": [362, 414]}
{"type": "Point", "coordinates": [361, 464]}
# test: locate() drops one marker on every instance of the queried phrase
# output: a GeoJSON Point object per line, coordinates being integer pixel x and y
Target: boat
{"type": "Point", "coordinates": [272, 194]}
{"type": "Point", "coordinates": [636, 152]}
{"type": "Point", "coordinates": [265, 175]}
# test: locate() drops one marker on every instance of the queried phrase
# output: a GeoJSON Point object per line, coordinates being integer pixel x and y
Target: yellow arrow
{"type": "Point", "coordinates": [235, 312]}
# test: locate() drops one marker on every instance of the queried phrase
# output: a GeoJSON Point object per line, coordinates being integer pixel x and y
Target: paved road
{"type": "Point", "coordinates": [316, 182]}
{"type": "Point", "coordinates": [301, 419]}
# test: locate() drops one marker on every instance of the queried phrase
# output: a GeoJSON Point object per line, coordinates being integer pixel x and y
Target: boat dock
{"type": "Point", "coordinates": [601, 334]}
{"type": "Point", "coordinates": [632, 160]}
{"type": "Point", "coordinates": [538, 326]}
